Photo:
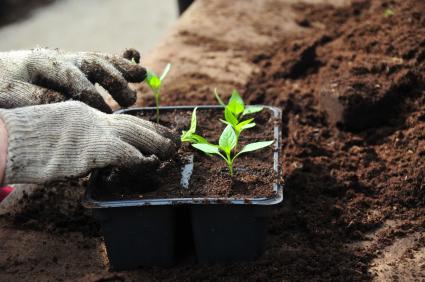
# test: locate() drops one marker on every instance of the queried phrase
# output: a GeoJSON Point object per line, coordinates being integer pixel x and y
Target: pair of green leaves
{"type": "Point", "coordinates": [235, 110]}
{"type": "Point", "coordinates": [154, 82]}
{"type": "Point", "coordinates": [236, 105]}
{"type": "Point", "coordinates": [190, 135]}
{"type": "Point", "coordinates": [226, 144]}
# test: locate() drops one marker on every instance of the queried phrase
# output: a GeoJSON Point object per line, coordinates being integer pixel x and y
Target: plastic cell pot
{"type": "Point", "coordinates": [228, 233]}
{"type": "Point", "coordinates": [143, 232]}
{"type": "Point", "coordinates": [138, 236]}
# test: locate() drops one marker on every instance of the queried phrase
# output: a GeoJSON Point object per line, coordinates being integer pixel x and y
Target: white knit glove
{"type": "Point", "coordinates": [41, 76]}
{"type": "Point", "coordinates": [69, 139]}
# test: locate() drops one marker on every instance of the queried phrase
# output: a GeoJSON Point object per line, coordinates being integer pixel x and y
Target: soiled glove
{"type": "Point", "coordinates": [61, 140]}
{"type": "Point", "coordinates": [41, 76]}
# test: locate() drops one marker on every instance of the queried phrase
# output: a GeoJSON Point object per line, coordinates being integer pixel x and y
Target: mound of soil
{"type": "Point", "coordinates": [253, 173]}
{"type": "Point", "coordinates": [360, 66]}
{"type": "Point", "coordinates": [57, 208]}
{"type": "Point", "coordinates": [353, 99]}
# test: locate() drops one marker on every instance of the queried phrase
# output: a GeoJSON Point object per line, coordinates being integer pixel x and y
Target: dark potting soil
{"type": "Point", "coordinates": [253, 172]}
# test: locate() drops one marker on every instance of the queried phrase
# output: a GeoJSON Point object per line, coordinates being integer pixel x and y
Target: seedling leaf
{"type": "Point", "coordinates": [230, 117]}
{"type": "Point", "coordinates": [236, 104]}
{"type": "Point", "coordinates": [165, 72]}
{"type": "Point", "coordinates": [252, 109]}
{"type": "Point", "coordinates": [186, 136]}
{"type": "Point", "coordinates": [249, 125]}
{"type": "Point", "coordinates": [245, 122]}
{"type": "Point", "coordinates": [190, 136]}
{"type": "Point", "coordinates": [207, 148]}
{"type": "Point", "coordinates": [254, 146]}
{"type": "Point", "coordinates": [153, 81]}
{"type": "Point", "coordinates": [193, 121]}
{"type": "Point", "coordinates": [224, 121]}
{"type": "Point", "coordinates": [228, 139]}
{"type": "Point", "coordinates": [198, 139]}
{"type": "Point", "coordinates": [218, 98]}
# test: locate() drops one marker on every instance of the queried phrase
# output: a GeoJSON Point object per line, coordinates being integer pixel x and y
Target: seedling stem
{"type": "Point", "coordinates": [154, 82]}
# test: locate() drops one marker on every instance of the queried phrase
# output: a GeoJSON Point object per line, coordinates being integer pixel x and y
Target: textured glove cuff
{"type": "Point", "coordinates": [20, 150]}
{"type": "Point", "coordinates": [43, 144]}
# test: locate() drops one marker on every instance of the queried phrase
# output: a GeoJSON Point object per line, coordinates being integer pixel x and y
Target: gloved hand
{"type": "Point", "coordinates": [41, 76]}
{"type": "Point", "coordinates": [61, 140]}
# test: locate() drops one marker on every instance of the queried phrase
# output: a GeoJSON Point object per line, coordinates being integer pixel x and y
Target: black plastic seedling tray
{"type": "Point", "coordinates": [144, 232]}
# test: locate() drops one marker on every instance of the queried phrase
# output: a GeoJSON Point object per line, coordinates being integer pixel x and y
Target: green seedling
{"type": "Point", "coordinates": [388, 13]}
{"type": "Point", "coordinates": [190, 135]}
{"type": "Point", "coordinates": [154, 82]}
{"type": "Point", "coordinates": [226, 146]}
{"type": "Point", "coordinates": [235, 110]}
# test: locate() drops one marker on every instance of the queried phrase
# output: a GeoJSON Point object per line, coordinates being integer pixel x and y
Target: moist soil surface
{"type": "Point", "coordinates": [253, 172]}
{"type": "Point", "coordinates": [354, 193]}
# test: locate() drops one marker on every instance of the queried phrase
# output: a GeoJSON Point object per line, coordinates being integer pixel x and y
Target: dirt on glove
{"type": "Point", "coordinates": [354, 207]}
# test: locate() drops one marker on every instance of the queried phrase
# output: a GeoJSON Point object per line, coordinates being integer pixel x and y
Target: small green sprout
{"type": "Point", "coordinates": [190, 135]}
{"type": "Point", "coordinates": [388, 13]}
{"type": "Point", "coordinates": [235, 110]}
{"type": "Point", "coordinates": [154, 82]}
{"type": "Point", "coordinates": [227, 143]}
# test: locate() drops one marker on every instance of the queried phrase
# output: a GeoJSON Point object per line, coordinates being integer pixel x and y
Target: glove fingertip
{"type": "Point", "coordinates": [167, 133]}
{"type": "Point", "coordinates": [168, 150]}
{"type": "Point", "coordinates": [126, 98]}
{"type": "Point", "coordinates": [149, 163]}
{"type": "Point", "coordinates": [135, 73]}
{"type": "Point", "coordinates": [131, 54]}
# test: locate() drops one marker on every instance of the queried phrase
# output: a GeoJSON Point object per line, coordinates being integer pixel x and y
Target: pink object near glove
{"type": "Point", "coordinates": [4, 192]}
